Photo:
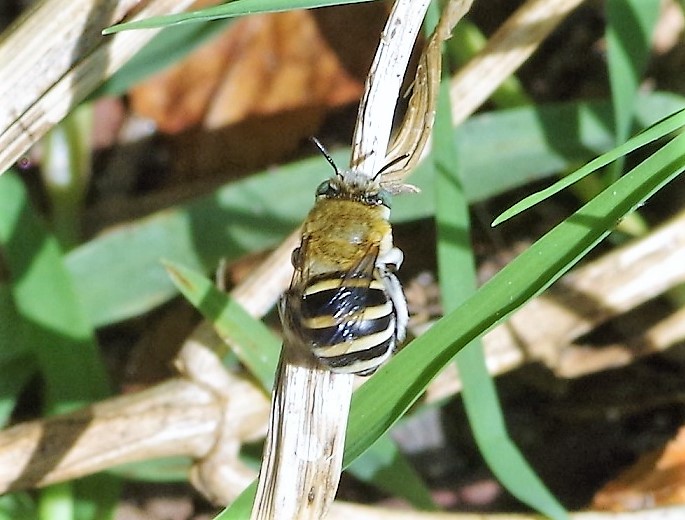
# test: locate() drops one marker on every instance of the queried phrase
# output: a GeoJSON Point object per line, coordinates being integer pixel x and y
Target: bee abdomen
{"type": "Point", "coordinates": [350, 324]}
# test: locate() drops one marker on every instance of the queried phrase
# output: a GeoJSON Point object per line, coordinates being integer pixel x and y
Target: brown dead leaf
{"type": "Point", "coordinates": [261, 66]}
{"type": "Point", "coordinates": [656, 479]}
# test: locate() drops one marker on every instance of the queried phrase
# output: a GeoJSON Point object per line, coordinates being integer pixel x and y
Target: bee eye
{"type": "Point", "coordinates": [323, 189]}
{"type": "Point", "coordinates": [296, 258]}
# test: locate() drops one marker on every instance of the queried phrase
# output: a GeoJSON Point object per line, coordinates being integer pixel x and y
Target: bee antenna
{"type": "Point", "coordinates": [325, 153]}
{"type": "Point", "coordinates": [390, 165]}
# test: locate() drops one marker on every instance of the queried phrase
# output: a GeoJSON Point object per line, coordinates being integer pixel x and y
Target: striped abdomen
{"type": "Point", "coordinates": [349, 323]}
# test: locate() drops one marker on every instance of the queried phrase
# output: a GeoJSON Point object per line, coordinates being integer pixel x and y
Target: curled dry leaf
{"type": "Point", "coordinates": [656, 479]}
{"type": "Point", "coordinates": [262, 65]}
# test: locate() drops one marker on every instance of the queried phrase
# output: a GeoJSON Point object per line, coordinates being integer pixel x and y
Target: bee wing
{"type": "Point", "coordinates": [290, 305]}
{"type": "Point", "coordinates": [352, 294]}
{"type": "Point", "coordinates": [341, 297]}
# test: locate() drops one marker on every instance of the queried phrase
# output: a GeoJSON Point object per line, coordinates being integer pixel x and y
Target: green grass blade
{"type": "Point", "coordinates": [168, 47]}
{"type": "Point", "coordinates": [258, 212]}
{"type": "Point", "coordinates": [381, 401]}
{"type": "Point", "coordinates": [659, 130]}
{"type": "Point", "coordinates": [14, 343]}
{"type": "Point", "coordinates": [241, 507]}
{"type": "Point", "coordinates": [167, 469]}
{"type": "Point", "coordinates": [385, 467]}
{"type": "Point", "coordinates": [630, 24]}
{"type": "Point", "coordinates": [97, 497]}
{"type": "Point", "coordinates": [56, 502]}
{"type": "Point", "coordinates": [52, 321]}
{"type": "Point", "coordinates": [17, 505]}
{"type": "Point", "coordinates": [51, 325]}
{"type": "Point", "coordinates": [457, 276]}
{"type": "Point", "coordinates": [227, 10]}
{"type": "Point", "coordinates": [254, 344]}
{"type": "Point", "coordinates": [14, 375]}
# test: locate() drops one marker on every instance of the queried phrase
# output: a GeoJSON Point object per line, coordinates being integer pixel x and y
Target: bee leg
{"type": "Point", "coordinates": [392, 260]}
{"type": "Point", "coordinates": [394, 290]}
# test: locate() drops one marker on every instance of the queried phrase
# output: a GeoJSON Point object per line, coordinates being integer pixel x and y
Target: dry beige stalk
{"type": "Point", "coordinates": [377, 107]}
{"type": "Point", "coordinates": [54, 56]}
{"type": "Point", "coordinates": [207, 415]}
{"type": "Point", "coordinates": [303, 451]}
{"type": "Point", "coordinates": [506, 50]}
{"type": "Point", "coordinates": [407, 147]}
{"type": "Point", "coordinates": [302, 458]}
{"type": "Point", "coordinates": [131, 427]}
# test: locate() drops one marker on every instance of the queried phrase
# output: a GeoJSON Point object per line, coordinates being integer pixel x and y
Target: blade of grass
{"type": "Point", "coordinates": [256, 213]}
{"type": "Point", "coordinates": [17, 505]}
{"type": "Point", "coordinates": [52, 322]}
{"type": "Point", "coordinates": [56, 502]}
{"type": "Point", "coordinates": [630, 24]}
{"type": "Point", "coordinates": [168, 47]}
{"type": "Point", "coordinates": [66, 170]}
{"type": "Point", "coordinates": [14, 343]}
{"type": "Point", "coordinates": [14, 374]}
{"type": "Point", "coordinates": [254, 344]}
{"type": "Point", "coordinates": [168, 469]}
{"type": "Point", "coordinates": [672, 123]}
{"type": "Point", "coordinates": [385, 467]}
{"type": "Point", "coordinates": [466, 41]}
{"type": "Point", "coordinates": [457, 276]}
{"type": "Point", "coordinates": [97, 497]}
{"type": "Point", "coordinates": [226, 10]}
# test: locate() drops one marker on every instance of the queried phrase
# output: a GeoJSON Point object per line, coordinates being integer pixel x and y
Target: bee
{"type": "Point", "coordinates": [345, 303]}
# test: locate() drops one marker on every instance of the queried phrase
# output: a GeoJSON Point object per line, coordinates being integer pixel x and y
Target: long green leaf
{"type": "Point", "coordinates": [227, 10]}
{"type": "Point", "coordinates": [51, 320]}
{"type": "Point", "coordinates": [457, 276]}
{"type": "Point", "coordinates": [254, 344]}
{"type": "Point", "coordinates": [168, 47]}
{"type": "Point", "coordinates": [51, 325]}
{"type": "Point", "coordinates": [385, 467]}
{"type": "Point", "coordinates": [659, 130]}
{"type": "Point", "coordinates": [630, 24]}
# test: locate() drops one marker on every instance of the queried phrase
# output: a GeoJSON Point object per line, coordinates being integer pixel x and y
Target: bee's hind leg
{"type": "Point", "coordinates": [387, 266]}
{"type": "Point", "coordinates": [392, 260]}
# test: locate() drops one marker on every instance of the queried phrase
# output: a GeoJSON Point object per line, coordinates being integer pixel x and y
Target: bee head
{"type": "Point", "coordinates": [351, 185]}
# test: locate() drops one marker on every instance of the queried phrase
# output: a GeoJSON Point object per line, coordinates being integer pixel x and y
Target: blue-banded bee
{"type": "Point", "coordinates": [345, 303]}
